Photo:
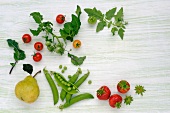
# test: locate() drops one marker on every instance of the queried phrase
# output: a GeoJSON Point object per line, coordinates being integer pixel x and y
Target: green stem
{"type": "Point", "coordinates": [13, 67]}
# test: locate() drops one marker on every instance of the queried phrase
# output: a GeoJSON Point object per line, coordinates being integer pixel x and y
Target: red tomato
{"type": "Point", "coordinates": [60, 18]}
{"type": "Point", "coordinates": [123, 86]}
{"type": "Point", "coordinates": [37, 57]}
{"type": "Point", "coordinates": [115, 100]}
{"type": "Point", "coordinates": [38, 46]}
{"type": "Point", "coordinates": [103, 93]}
{"type": "Point", "coordinates": [26, 38]}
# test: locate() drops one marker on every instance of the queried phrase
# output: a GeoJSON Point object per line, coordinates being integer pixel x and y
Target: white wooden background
{"type": "Point", "coordinates": [141, 58]}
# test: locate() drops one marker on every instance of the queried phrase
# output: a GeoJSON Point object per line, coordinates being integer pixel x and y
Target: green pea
{"type": "Point", "coordinates": [69, 88]}
{"type": "Point", "coordinates": [62, 71]}
{"type": "Point", "coordinates": [62, 82]}
{"type": "Point", "coordinates": [52, 85]}
{"type": "Point", "coordinates": [76, 99]}
{"type": "Point", "coordinates": [65, 68]}
{"type": "Point", "coordinates": [60, 66]}
{"type": "Point", "coordinates": [69, 76]}
{"type": "Point", "coordinates": [89, 82]}
{"type": "Point", "coordinates": [61, 79]}
{"type": "Point", "coordinates": [68, 84]}
{"type": "Point", "coordinates": [58, 77]}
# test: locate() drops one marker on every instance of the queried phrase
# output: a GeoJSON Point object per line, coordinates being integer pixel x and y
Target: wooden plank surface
{"type": "Point", "coordinates": [141, 58]}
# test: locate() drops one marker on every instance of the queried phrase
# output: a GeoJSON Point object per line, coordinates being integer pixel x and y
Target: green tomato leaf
{"type": "Point", "coordinates": [78, 11]}
{"type": "Point", "coordinates": [37, 17]}
{"type": "Point", "coordinates": [119, 15]}
{"type": "Point", "coordinates": [18, 53]}
{"type": "Point", "coordinates": [35, 32]}
{"type": "Point", "coordinates": [76, 60]}
{"type": "Point", "coordinates": [121, 33]}
{"type": "Point", "coordinates": [111, 13]}
{"type": "Point", "coordinates": [113, 30]}
{"type": "Point", "coordinates": [100, 26]}
{"type": "Point", "coordinates": [28, 68]}
{"type": "Point", "coordinates": [71, 28]}
{"type": "Point", "coordinates": [95, 13]}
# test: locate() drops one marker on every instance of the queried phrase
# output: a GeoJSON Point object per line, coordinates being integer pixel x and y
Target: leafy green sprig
{"type": "Point", "coordinates": [18, 53]}
{"type": "Point", "coordinates": [70, 30]}
{"type": "Point", "coordinates": [106, 20]}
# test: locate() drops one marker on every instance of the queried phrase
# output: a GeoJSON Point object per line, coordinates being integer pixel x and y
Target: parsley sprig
{"type": "Point", "coordinates": [69, 31]}
{"type": "Point", "coordinates": [18, 53]}
{"type": "Point", "coordinates": [106, 20]}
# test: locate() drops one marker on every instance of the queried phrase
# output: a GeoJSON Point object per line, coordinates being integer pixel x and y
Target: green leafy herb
{"type": "Point", "coordinates": [78, 11]}
{"type": "Point", "coordinates": [18, 53]}
{"type": "Point", "coordinates": [76, 60]}
{"type": "Point", "coordinates": [28, 68]}
{"type": "Point", "coordinates": [110, 19]}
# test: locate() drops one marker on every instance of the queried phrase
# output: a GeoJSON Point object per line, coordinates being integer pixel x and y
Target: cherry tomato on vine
{"type": "Point", "coordinates": [26, 38]}
{"type": "Point", "coordinates": [38, 46]}
{"type": "Point", "coordinates": [60, 18]}
{"type": "Point", "coordinates": [37, 57]}
{"type": "Point", "coordinates": [92, 20]}
{"type": "Point", "coordinates": [76, 43]}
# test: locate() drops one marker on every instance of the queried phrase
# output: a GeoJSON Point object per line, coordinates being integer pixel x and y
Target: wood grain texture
{"type": "Point", "coordinates": [141, 58]}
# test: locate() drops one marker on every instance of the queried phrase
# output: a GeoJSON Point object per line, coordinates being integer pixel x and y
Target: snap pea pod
{"type": "Point", "coordinates": [77, 84]}
{"type": "Point", "coordinates": [76, 99]}
{"type": "Point", "coordinates": [67, 86]}
{"type": "Point", "coordinates": [52, 85]}
{"type": "Point", "coordinates": [73, 79]}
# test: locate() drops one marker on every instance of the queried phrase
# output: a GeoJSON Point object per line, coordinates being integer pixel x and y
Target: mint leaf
{"type": "Point", "coordinates": [78, 11]}
{"type": "Point", "coordinates": [121, 33]}
{"type": "Point", "coordinates": [100, 26]}
{"type": "Point", "coordinates": [119, 15]}
{"type": "Point", "coordinates": [76, 60]}
{"type": "Point", "coordinates": [94, 12]}
{"type": "Point", "coordinates": [37, 17]}
{"type": "Point", "coordinates": [114, 29]}
{"type": "Point", "coordinates": [28, 68]}
{"type": "Point", "coordinates": [111, 13]}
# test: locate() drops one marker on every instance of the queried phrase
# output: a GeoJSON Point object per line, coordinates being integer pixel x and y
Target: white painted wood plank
{"type": "Point", "coordinates": [141, 58]}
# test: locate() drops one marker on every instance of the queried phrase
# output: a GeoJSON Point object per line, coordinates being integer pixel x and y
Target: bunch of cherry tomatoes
{"type": "Point", "coordinates": [37, 56]}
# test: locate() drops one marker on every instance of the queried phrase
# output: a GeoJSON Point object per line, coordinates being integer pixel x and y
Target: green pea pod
{"type": "Point", "coordinates": [73, 79]}
{"type": "Point", "coordinates": [67, 86]}
{"type": "Point", "coordinates": [76, 99]}
{"type": "Point", "coordinates": [52, 85]}
{"type": "Point", "coordinates": [77, 84]}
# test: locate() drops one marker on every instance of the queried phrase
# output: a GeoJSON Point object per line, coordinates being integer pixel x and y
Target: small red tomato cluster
{"type": "Point", "coordinates": [38, 46]}
{"type": "Point", "coordinates": [115, 100]}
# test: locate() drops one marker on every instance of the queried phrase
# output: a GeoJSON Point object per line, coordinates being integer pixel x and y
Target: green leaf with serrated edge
{"type": "Point", "coordinates": [109, 24]}
{"type": "Point", "coordinates": [37, 17]}
{"type": "Point", "coordinates": [28, 68]}
{"type": "Point", "coordinates": [110, 14]}
{"type": "Point", "coordinates": [113, 30]}
{"type": "Point", "coordinates": [77, 61]}
{"type": "Point", "coordinates": [121, 33]}
{"type": "Point", "coordinates": [18, 53]}
{"type": "Point", "coordinates": [100, 26]}
{"type": "Point", "coordinates": [119, 15]}
{"type": "Point", "coordinates": [94, 12]}
{"type": "Point", "coordinates": [78, 11]}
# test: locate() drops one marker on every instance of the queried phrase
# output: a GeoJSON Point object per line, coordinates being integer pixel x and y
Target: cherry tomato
{"type": "Point", "coordinates": [92, 20]}
{"type": "Point", "coordinates": [37, 57]}
{"type": "Point", "coordinates": [26, 38]}
{"type": "Point", "coordinates": [38, 46]}
{"type": "Point", "coordinates": [123, 86]}
{"type": "Point", "coordinates": [76, 43]}
{"type": "Point", "coordinates": [60, 18]}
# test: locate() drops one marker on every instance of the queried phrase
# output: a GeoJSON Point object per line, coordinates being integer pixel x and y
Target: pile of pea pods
{"type": "Point", "coordinates": [68, 87]}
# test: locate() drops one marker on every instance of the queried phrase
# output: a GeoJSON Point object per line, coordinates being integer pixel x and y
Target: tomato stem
{"type": "Point", "coordinates": [13, 67]}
